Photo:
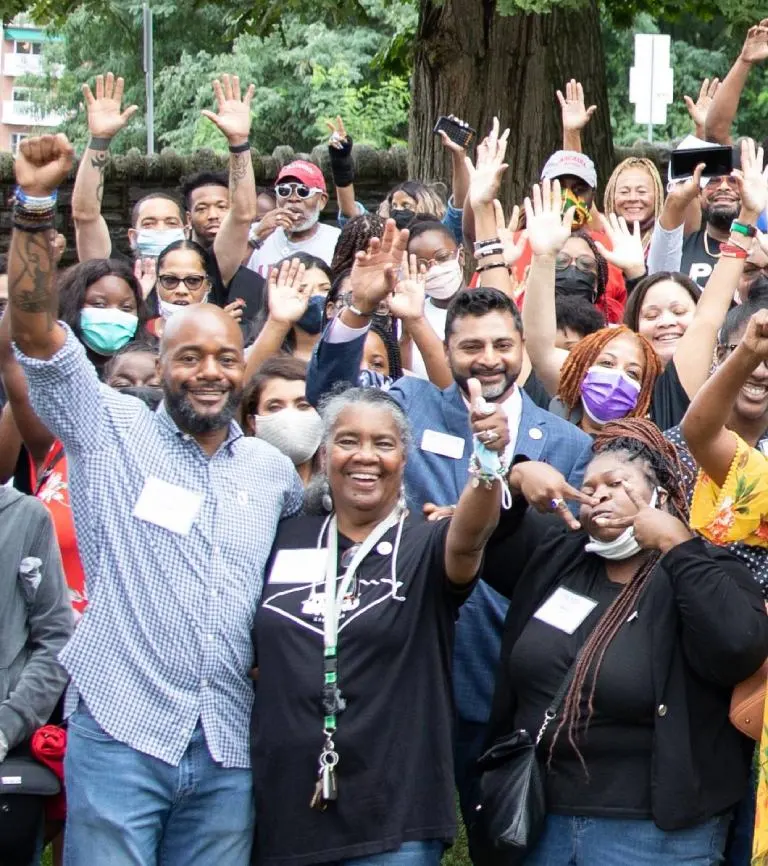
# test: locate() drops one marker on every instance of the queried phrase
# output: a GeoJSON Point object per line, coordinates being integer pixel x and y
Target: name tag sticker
{"type": "Point", "coordinates": [303, 565]}
{"type": "Point", "coordinates": [10, 780]}
{"type": "Point", "coordinates": [565, 610]}
{"type": "Point", "coordinates": [443, 444]}
{"type": "Point", "coordinates": [167, 505]}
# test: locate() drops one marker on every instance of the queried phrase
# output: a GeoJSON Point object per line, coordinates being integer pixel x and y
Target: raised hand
{"type": "Point", "coordinates": [145, 271]}
{"type": "Point", "coordinates": [374, 273]}
{"type": "Point", "coordinates": [575, 113]}
{"type": "Point", "coordinates": [698, 110]}
{"type": "Point", "coordinates": [755, 338]}
{"type": "Point", "coordinates": [489, 421]}
{"type": "Point", "coordinates": [682, 193]}
{"type": "Point", "coordinates": [513, 249]}
{"type": "Point", "coordinates": [627, 246]}
{"type": "Point", "coordinates": [43, 163]}
{"type": "Point", "coordinates": [278, 218]}
{"type": "Point", "coordinates": [486, 173]}
{"type": "Point", "coordinates": [547, 228]}
{"type": "Point", "coordinates": [338, 137]}
{"type": "Point", "coordinates": [752, 178]}
{"type": "Point", "coordinates": [755, 48]}
{"type": "Point", "coordinates": [546, 490]}
{"type": "Point", "coordinates": [654, 528]}
{"type": "Point", "coordinates": [288, 294]}
{"type": "Point", "coordinates": [105, 119]}
{"type": "Point", "coordinates": [449, 144]}
{"type": "Point", "coordinates": [407, 300]}
{"type": "Point", "coordinates": [234, 113]}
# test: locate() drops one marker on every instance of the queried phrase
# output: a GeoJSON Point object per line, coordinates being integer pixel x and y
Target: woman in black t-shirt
{"type": "Point", "coordinates": [641, 763]}
{"type": "Point", "coordinates": [351, 735]}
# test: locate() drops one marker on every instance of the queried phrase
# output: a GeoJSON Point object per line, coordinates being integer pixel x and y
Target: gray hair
{"type": "Point", "coordinates": [333, 405]}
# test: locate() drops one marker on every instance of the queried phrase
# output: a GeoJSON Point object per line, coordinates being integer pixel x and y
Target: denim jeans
{"type": "Point", "coordinates": [427, 853]}
{"type": "Point", "coordinates": [125, 808]}
{"type": "Point", "coordinates": [569, 841]}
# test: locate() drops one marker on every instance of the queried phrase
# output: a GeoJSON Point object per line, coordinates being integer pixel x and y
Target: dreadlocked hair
{"type": "Point", "coordinates": [602, 265]}
{"type": "Point", "coordinates": [609, 198]}
{"type": "Point", "coordinates": [583, 356]}
{"type": "Point", "coordinates": [355, 237]}
{"type": "Point", "coordinates": [634, 439]}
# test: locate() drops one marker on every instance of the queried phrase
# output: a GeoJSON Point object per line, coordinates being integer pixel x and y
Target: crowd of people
{"type": "Point", "coordinates": [303, 525]}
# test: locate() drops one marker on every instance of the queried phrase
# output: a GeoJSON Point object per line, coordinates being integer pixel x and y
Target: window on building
{"type": "Point", "coordinates": [21, 94]}
{"type": "Point", "coordinates": [27, 47]}
{"type": "Point", "coordinates": [16, 139]}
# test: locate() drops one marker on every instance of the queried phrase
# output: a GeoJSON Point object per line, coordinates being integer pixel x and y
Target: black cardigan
{"type": "Point", "coordinates": [710, 632]}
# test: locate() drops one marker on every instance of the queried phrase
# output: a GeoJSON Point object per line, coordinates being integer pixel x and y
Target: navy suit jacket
{"type": "Point", "coordinates": [435, 478]}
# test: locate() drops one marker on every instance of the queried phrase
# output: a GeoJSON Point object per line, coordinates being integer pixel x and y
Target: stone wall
{"type": "Point", "coordinates": [133, 175]}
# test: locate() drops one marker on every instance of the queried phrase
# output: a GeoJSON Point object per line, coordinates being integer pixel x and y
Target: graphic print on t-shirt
{"type": "Point", "coordinates": [304, 603]}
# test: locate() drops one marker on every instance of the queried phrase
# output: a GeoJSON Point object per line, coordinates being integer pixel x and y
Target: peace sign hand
{"type": "Point", "coordinates": [655, 529]}
{"type": "Point", "coordinates": [339, 138]}
{"type": "Point", "coordinates": [546, 490]}
{"type": "Point", "coordinates": [288, 295]}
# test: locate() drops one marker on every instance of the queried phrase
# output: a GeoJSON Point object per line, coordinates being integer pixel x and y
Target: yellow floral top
{"type": "Point", "coordinates": [737, 511]}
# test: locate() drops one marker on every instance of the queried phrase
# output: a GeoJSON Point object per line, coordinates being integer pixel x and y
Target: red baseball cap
{"type": "Point", "coordinates": [306, 172]}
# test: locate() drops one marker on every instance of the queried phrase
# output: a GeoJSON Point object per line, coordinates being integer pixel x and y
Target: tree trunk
{"type": "Point", "coordinates": [475, 63]}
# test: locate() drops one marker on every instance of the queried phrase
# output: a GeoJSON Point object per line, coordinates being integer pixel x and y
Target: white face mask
{"type": "Point", "coordinates": [167, 309]}
{"type": "Point", "coordinates": [150, 243]}
{"type": "Point", "coordinates": [622, 547]}
{"type": "Point", "coordinates": [444, 280]}
{"type": "Point", "coordinates": [295, 432]}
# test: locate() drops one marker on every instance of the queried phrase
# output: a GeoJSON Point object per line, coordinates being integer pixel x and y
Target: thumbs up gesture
{"type": "Point", "coordinates": [488, 420]}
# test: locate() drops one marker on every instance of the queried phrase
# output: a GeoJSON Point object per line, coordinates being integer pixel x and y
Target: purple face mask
{"type": "Point", "coordinates": [608, 394]}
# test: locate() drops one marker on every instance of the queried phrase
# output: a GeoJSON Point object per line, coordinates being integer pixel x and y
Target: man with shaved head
{"type": "Point", "coordinates": [175, 513]}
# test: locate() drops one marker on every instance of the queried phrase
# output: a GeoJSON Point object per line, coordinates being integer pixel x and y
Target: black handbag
{"type": "Point", "coordinates": [512, 804]}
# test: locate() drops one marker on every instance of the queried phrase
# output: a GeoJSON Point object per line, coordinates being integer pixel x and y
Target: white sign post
{"type": "Point", "coordinates": [651, 80]}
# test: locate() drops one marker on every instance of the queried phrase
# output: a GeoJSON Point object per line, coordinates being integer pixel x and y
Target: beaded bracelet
{"type": "Point", "coordinates": [35, 204]}
{"type": "Point", "coordinates": [486, 243]}
{"type": "Point", "coordinates": [33, 229]}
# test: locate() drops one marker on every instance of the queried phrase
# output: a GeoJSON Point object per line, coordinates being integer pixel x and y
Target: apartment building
{"type": "Point", "coordinates": [20, 54]}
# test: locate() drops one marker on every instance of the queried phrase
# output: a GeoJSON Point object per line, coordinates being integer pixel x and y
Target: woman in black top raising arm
{"type": "Point", "coordinates": [641, 764]}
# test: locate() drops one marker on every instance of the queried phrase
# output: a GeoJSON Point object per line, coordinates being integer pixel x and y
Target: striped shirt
{"type": "Point", "coordinates": [165, 640]}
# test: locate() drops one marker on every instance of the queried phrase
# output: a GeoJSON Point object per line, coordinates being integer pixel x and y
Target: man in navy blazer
{"type": "Point", "coordinates": [483, 339]}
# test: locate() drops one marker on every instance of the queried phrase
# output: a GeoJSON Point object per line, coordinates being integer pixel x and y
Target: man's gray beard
{"type": "Point", "coordinates": [311, 220]}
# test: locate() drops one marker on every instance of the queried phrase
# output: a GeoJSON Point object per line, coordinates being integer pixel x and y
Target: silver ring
{"type": "Point", "coordinates": [554, 504]}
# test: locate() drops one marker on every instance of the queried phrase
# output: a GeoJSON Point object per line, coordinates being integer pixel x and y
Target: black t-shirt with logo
{"type": "Point", "coordinates": [697, 263]}
{"type": "Point", "coordinates": [394, 739]}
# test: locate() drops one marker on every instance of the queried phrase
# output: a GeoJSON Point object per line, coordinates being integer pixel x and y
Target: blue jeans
{"type": "Point", "coordinates": [569, 841]}
{"type": "Point", "coordinates": [125, 808]}
{"type": "Point", "coordinates": [426, 853]}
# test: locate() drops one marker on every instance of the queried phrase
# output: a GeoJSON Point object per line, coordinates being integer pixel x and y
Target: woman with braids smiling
{"type": "Point", "coordinates": [647, 628]}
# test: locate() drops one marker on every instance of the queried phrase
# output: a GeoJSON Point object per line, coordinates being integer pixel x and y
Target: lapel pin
{"type": "Point", "coordinates": [535, 433]}
{"type": "Point", "coordinates": [384, 548]}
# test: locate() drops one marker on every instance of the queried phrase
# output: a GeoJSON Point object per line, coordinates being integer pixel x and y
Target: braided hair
{"type": "Point", "coordinates": [634, 439]}
{"type": "Point", "coordinates": [609, 198]}
{"type": "Point", "coordinates": [584, 354]}
{"type": "Point", "coordinates": [355, 237]}
{"type": "Point", "coordinates": [381, 326]}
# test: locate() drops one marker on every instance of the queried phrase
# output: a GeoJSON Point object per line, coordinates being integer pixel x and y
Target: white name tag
{"type": "Point", "coordinates": [10, 780]}
{"type": "Point", "coordinates": [305, 565]}
{"type": "Point", "coordinates": [565, 610]}
{"type": "Point", "coordinates": [168, 505]}
{"type": "Point", "coordinates": [443, 444]}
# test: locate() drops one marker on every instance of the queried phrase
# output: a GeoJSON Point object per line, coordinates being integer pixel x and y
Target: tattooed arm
{"type": "Point", "coordinates": [41, 165]}
{"type": "Point", "coordinates": [105, 120]}
{"type": "Point", "coordinates": [234, 120]}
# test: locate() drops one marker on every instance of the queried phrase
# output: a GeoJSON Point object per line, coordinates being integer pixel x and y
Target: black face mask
{"type": "Point", "coordinates": [576, 283]}
{"type": "Point", "coordinates": [403, 217]}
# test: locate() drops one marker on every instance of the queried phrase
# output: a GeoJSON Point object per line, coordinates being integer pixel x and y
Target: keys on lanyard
{"type": "Point", "coordinates": [326, 787]}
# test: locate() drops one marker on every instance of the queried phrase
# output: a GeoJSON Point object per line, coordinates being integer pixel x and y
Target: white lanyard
{"type": "Point", "coordinates": [334, 599]}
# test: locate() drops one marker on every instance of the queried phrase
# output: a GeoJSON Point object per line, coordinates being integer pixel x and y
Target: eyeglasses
{"type": "Point", "coordinates": [170, 281]}
{"type": "Point", "coordinates": [717, 180]}
{"type": "Point", "coordinates": [300, 190]}
{"type": "Point", "coordinates": [582, 263]}
{"type": "Point", "coordinates": [439, 258]}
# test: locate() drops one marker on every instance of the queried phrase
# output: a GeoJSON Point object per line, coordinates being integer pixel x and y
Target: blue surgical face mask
{"type": "Point", "coordinates": [312, 320]}
{"type": "Point", "coordinates": [107, 330]}
{"type": "Point", "coordinates": [151, 242]}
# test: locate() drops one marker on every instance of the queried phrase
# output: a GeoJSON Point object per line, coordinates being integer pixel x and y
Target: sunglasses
{"type": "Point", "coordinates": [170, 281]}
{"type": "Point", "coordinates": [300, 190]}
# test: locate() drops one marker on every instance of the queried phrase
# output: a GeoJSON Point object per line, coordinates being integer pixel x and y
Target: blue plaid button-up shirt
{"type": "Point", "coordinates": [165, 640]}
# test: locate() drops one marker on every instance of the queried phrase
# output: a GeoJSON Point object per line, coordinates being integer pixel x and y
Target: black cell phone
{"type": "Point", "coordinates": [718, 160]}
{"type": "Point", "coordinates": [460, 133]}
